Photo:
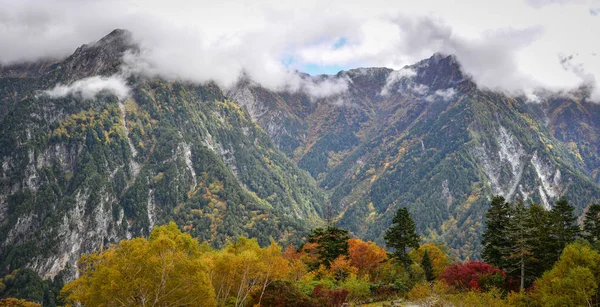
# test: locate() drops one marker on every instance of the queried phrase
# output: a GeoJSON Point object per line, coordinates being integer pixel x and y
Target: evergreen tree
{"type": "Point", "coordinates": [540, 234]}
{"type": "Point", "coordinates": [591, 224]}
{"type": "Point", "coordinates": [521, 244]}
{"type": "Point", "coordinates": [563, 228]}
{"type": "Point", "coordinates": [495, 239]}
{"type": "Point", "coordinates": [332, 242]}
{"type": "Point", "coordinates": [427, 267]}
{"type": "Point", "coordinates": [402, 236]}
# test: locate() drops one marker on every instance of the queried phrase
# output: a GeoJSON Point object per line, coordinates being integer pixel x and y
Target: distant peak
{"type": "Point", "coordinates": [117, 36]}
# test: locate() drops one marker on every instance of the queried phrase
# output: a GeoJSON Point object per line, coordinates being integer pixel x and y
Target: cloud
{"type": "Point", "coordinates": [595, 12]}
{"type": "Point", "coordinates": [88, 88]}
{"type": "Point", "coordinates": [509, 45]}
{"type": "Point", "coordinates": [394, 77]}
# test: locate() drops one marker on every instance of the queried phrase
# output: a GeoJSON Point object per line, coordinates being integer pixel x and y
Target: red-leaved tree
{"type": "Point", "coordinates": [474, 275]}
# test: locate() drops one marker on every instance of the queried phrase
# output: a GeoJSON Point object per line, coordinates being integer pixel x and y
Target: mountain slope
{"type": "Point", "coordinates": [427, 138]}
{"type": "Point", "coordinates": [80, 171]}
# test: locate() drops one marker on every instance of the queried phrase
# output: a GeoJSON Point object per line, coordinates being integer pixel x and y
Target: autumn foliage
{"type": "Point", "coordinates": [473, 275]}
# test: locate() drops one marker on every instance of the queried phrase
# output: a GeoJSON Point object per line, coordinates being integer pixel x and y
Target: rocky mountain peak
{"type": "Point", "coordinates": [439, 71]}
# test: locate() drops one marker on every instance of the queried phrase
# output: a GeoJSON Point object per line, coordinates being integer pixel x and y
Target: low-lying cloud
{"type": "Point", "coordinates": [88, 88]}
{"type": "Point", "coordinates": [510, 45]}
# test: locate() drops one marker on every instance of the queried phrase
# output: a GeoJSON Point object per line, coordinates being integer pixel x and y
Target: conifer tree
{"type": "Point", "coordinates": [495, 239]}
{"type": "Point", "coordinates": [332, 243]}
{"type": "Point", "coordinates": [427, 267]}
{"type": "Point", "coordinates": [591, 224]}
{"type": "Point", "coordinates": [563, 227]}
{"type": "Point", "coordinates": [540, 234]}
{"type": "Point", "coordinates": [402, 236]}
{"type": "Point", "coordinates": [521, 244]}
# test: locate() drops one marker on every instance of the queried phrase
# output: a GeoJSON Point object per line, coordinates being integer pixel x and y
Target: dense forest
{"type": "Point", "coordinates": [532, 257]}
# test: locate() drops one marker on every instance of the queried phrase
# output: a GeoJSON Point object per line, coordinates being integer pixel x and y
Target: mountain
{"type": "Point", "coordinates": [427, 138]}
{"type": "Point", "coordinates": [91, 156]}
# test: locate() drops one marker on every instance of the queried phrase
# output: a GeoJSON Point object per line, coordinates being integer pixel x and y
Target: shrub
{"type": "Point", "coordinates": [474, 275]}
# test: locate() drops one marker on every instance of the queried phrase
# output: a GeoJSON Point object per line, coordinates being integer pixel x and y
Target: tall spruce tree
{"type": "Point", "coordinates": [332, 242]}
{"type": "Point", "coordinates": [520, 246]}
{"type": "Point", "coordinates": [495, 240]}
{"type": "Point", "coordinates": [563, 228]}
{"type": "Point", "coordinates": [540, 234]}
{"type": "Point", "coordinates": [427, 267]}
{"type": "Point", "coordinates": [591, 224]}
{"type": "Point", "coordinates": [402, 236]}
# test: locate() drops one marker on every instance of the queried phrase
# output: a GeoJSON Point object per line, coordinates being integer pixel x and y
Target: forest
{"type": "Point", "coordinates": [531, 257]}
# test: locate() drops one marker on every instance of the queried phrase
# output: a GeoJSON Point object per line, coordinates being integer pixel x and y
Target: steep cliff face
{"type": "Point", "coordinates": [427, 138]}
{"type": "Point", "coordinates": [91, 155]}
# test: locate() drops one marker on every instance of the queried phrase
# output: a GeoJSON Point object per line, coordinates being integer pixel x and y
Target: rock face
{"type": "Point", "coordinates": [90, 156]}
{"type": "Point", "coordinates": [427, 138]}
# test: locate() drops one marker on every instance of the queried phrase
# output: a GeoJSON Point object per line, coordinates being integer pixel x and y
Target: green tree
{"type": "Point", "coordinates": [520, 248]}
{"type": "Point", "coordinates": [573, 281]}
{"type": "Point", "coordinates": [591, 224]}
{"type": "Point", "coordinates": [495, 239]}
{"type": "Point", "coordinates": [332, 242]}
{"type": "Point", "coordinates": [563, 227]}
{"type": "Point", "coordinates": [427, 267]}
{"type": "Point", "coordinates": [540, 235]}
{"type": "Point", "coordinates": [402, 236]}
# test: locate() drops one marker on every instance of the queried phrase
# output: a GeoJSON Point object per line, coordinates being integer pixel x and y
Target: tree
{"type": "Point", "coordinates": [540, 238]}
{"type": "Point", "coordinates": [332, 242]}
{"type": "Point", "coordinates": [519, 252]}
{"type": "Point", "coordinates": [495, 240]}
{"type": "Point", "coordinates": [164, 270]}
{"type": "Point", "coordinates": [438, 255]}
{"type": "Point", "coordinates": [367, 257]}
{"type": "Point", "coordinates": [591, 224]}
{"type": "Point", "coordinates": [427, 267]}
{"type": "Point", "coordinates": [573, 281]}
{"type": "Point", "coordinates": [473, 275]}
{"type": "Point", "coordinates": [563, 229]}
{"type": "Point", "coordinates": [402, 236]}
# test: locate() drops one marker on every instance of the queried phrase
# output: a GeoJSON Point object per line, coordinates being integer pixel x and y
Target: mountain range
{"type": "Point", "coordinates": [92, 155]}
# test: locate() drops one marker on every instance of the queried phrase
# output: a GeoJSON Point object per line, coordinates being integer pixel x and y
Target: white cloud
{"type": "Point", "coordinates": [88, 88]}
{"type": "Point", "coordinates": [510, 45]}
{"type": "Point", "coordinates": [394, 77]}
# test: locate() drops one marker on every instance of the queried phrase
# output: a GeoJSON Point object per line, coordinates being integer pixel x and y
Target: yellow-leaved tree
{"type": "Point", "coordinates": [439, 258]}
{"type": "Point", "coordinates": [573, 281]}
{"type": "Point", "coordinates": [167, 269]}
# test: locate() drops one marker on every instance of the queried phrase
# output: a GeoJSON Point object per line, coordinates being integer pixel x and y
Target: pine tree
{"type": "Point", "coordinates": [495, 235]}
{"type": "Point", "coordinates": [563, 227]}
{"type": "Point", "coordinates": [402, 236]}
{"type": "Point", "coordinates": [540, 234]}
{"type": "Point", "coordinates": [591, 224]}
{"type": "Point", "coordinates": [427, 267]}
{"type": "Point", "coordinates": [520, 248]}
{"type": "Point", "coordinates": [332, 243]}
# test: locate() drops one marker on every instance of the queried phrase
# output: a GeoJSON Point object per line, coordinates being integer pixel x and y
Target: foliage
{"type": "Point", "coordinates": [574, 279]}
{"type": "Point", "coordinates": [282, 294]}
{"type": "Point", "coordinates": [13, 302]}
{"type": "Point", "coordinates": [591, 224]}
{"type": "Point", "coordinates": [332, 242]}
{"type": "Point", "coordinates": [367, 257]}
{"type": "Point", "coordinates": [358, 288]}
{"type": "Point", "coordinates": [495, 239]}
{"type": "Point", "coordinates": [328, 297]}
{"type": "Point", "coordinates": [437, 255]}
{"type": "Point", "coordinates": [402, 236]}
{"type": "Point", "coordinates": [165, 269]}
{"type": "Point", "coordinates": [28, 285]}
{"type": "Point", "coordinates": [474, 275]}
{"type": "Point", "coordinates": [564, 228]}
{"type": "Point", "coordinates": [427, 267]}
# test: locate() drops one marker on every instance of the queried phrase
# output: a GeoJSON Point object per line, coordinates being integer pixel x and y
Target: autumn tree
{"type": "Point", "coordinates": [402, 236]}
{"type": "Point", "coordinates": [437, 254]}
{"type": "Point", "coordinates": [591, 224]}
{"type": "Point", "coordinates": [495, 239]}
{"type": "Point", "coordinates": [367, 257]}
{"type": "Point", "coordinates": [473, 275]}
{"type": "Point", "coordinates": [573, 281]}
{"type": "Point", "coordinates": [164, 270]}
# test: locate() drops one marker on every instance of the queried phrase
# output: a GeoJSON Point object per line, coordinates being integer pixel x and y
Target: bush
{"type": "Point", "coordinates": [282, 294]}
{"type": "Point", "coordinates": [474, 275]}
{"type": "Point", "coordinates": [357, 288]}
{"type": "Point", "coordinates": [329, 298]}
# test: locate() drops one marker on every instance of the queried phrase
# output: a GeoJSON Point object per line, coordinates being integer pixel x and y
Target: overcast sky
{"type": "Point", "coordinates": [512, 45]}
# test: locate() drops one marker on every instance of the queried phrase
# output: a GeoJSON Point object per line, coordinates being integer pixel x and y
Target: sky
{"type": "Point", "coordinates": [515, 46]}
